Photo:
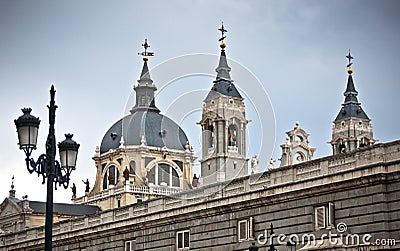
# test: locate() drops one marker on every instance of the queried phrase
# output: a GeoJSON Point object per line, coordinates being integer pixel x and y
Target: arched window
{"type": "Point", "coordinates": [105, 181]}
{"type": "Point", "coordinates": [151, 176]}
{"type": "Point", "coordinates": [209, 134]}
{"type": "Point", "coordinates": [175, 178]}
{"type": "Point", "coordinates": [110, 177]}
{"type": "Point", "coordinates": [232, 135]}
{"type": "Point", "coordinates": [179, 164]}
{"type": "Point", "coordinates": [163, 174]}
{"type": "Point", "coordinates": [132, 167]}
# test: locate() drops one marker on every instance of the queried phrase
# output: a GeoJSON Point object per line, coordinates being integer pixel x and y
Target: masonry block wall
{"type": "Point", "coordinates": [364, 196]}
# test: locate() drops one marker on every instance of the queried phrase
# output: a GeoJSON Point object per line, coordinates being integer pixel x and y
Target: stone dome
{"type": "Point", "coordinates": [158, 131]}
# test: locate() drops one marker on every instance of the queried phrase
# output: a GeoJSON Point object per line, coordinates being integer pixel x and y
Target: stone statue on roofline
{"type": "Point", "coordinates": [254, 164]}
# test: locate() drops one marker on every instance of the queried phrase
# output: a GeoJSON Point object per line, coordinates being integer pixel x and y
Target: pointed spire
{"type": "Point", "coordinates": [223, 83]}
{"type": "Point", "coordinates": [145, 87]}
{"type": "Point", "coordinates": [223, 68]}
{"type": "Point", "coordinates": [145, 75]}
{"type": "Point", "coordinates": [351, 107]}
{"type": "Point", "coordinates": [350, 93]}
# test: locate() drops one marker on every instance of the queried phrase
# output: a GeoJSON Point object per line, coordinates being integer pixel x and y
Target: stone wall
{"type": "Point", "coordinates": [363, 187]}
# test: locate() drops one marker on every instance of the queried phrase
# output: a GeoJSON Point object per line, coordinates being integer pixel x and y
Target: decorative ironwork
{"type": "Point", "coordinates": [349, 57]}
{"type": "Point", "coordinates": [223, 31]}
{"type": "Point", "coordinates": [146, 53]}
{"type": "Point", "coordinates": [46, 165]}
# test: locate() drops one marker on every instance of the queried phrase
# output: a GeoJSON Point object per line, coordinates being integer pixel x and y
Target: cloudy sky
{"type": "Point", "coordinates": [88, 49]}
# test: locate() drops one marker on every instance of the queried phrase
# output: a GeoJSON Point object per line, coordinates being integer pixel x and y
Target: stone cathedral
{"type": "Point", "coordinates": [146, 155]}
{"type": "Point", "coordinates": [147, 197]}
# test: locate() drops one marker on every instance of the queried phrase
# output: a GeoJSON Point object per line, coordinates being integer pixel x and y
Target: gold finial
{"type": "Point", "coordinates": [349, 70]}
{"type": "Point", "coordinates": [223, 31]}
{"type": "Point", "coordinates": [349, 57]}
{"type": "Point", "coordinates": [146, 54]}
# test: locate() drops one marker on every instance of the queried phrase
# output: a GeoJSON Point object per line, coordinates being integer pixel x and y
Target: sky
{"type": "Point", "coordinates": [295, 50]}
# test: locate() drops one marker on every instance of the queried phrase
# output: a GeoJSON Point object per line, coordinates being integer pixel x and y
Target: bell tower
{"type": "Point", "coordinates": [352, 128]}
{"type": "Point", "coordinates": [223, 127]}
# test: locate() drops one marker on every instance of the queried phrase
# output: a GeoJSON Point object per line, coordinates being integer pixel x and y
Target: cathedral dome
{"type": "Point", "coordinates": [145, 126]}
{"type": "Point", "coordinates": [158, 131]}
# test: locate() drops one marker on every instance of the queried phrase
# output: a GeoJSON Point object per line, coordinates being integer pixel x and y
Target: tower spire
{"type": "Point", "coordinates": [223, 84]}
{"type": "Point", "coordinates": [145, 75]}
{"type": "Point", "coordinates": [352, 128]}
{"type": "Point", "coordinates": [145, 87]}
{"type": "Point", "coordinates": [351, 107]}
{"type": "Point", "coordinates": [350, 93]}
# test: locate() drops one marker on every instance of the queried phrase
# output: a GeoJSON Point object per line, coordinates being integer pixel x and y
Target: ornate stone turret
{"type": "Point", "coordinates": [223, 127]}
{"type": "Point", "coordinates": [352, 128]}
{"type": "Point", "coordinates": [297, 147]}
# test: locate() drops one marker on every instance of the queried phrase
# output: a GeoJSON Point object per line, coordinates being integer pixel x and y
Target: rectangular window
{"type": "Point", "coordinates": [320, 217]}
{"type": "Point", "coordinates": [325, 216]}
{"type": "Point", "coordinates": [245, 229]}
{"type": "Point", "coordinates": [130, 245]}
{"type": "Point", "coordinates": [183, 240]}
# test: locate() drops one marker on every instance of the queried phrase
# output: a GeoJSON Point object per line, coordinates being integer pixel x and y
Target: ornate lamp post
{"type": "Point", "coordinates": [46, 165]}
{"type": "Point", "coordinates": [272, 234]}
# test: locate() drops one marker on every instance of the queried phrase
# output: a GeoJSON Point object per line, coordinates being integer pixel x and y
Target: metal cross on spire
{"type": "Point", "coordinates": [349, 57]}
{"type": "Point", "coordinates": [222, 30]}
{"type": "Point", "coordinates": [146, 53]}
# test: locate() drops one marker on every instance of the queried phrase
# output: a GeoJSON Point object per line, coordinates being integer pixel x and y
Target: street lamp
{"type": "Point", "coordinates": [272, 234]}
{"type": "Point", "coordinates": [46, 165]}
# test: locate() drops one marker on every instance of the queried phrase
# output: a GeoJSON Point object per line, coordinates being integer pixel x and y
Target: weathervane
{"type": "Point", "coordinates": [222, 30]}
{"type": "Point", "coordinates": [146, 53]}
{"type": "Point", "coordinates": [350, 58]}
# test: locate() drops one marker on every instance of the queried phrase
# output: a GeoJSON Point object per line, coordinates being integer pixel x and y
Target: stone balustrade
{"type": "Point", "coordinates": [148, 190]}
